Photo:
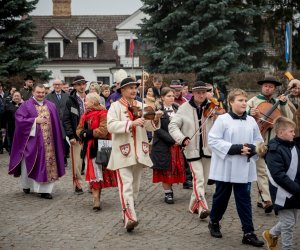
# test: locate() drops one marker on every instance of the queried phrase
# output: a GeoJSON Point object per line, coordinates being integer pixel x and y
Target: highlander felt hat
{"type": "Point", "coordinates": [176, 84]}
{"type": "Point", "coordinates": [79, 79]}
{"type": "Point", "coordinates": [199, 85]}
{"type": "Point", "coordinates": [126, 82]}
{"type": "Point", "coordinates": [28, 77]}
{"type": "Point", "coordinates": [269, 80]}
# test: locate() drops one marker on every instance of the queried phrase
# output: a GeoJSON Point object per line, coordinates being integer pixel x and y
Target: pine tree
{"type": "Point", "coordinates": [19, 56]}
{"type": "Point", "coordinates": [211, 38]}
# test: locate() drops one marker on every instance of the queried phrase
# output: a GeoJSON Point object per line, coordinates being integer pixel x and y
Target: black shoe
{"type": "Point", "coordinates": [214, 229]}
{"type": "Point", "coordinates": [26, 190]}
{"type": "Point", "coordinates": [187, 184]}
{"type": "Point", "coordinates": [78, 190]}
{"type": "Point", "coordinates": [1, 151]}
{"type": "Point", "coordinates": [169, 198]}
{"type": "Point", "coordinates": [46, 196]}
{"type": "Point", "coordinates": [251, 239]}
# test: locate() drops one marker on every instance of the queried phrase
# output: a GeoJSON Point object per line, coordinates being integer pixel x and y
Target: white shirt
{"type": "Point", "coordinates": [225, 132]}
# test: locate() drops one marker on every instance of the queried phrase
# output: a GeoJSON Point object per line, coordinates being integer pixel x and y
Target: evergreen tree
{"type": "Point", "coordinates": [19, 56]}
{"type": "Point", "coordinates": [211, 38]}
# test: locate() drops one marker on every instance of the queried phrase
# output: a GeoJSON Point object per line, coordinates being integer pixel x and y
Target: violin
{"type": "Point", "coordinates": [213, 109]}
{"type": "Point", "coordinates": [148, 113]}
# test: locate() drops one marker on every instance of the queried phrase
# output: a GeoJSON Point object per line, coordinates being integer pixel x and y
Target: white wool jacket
{"type": "Point", "coordinates": [184, 124]}
{"type": "Point", "coordinates": [128, 148]}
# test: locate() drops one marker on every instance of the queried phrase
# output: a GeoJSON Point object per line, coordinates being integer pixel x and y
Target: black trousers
{"type": "Point", "coordinates": [242, 199]}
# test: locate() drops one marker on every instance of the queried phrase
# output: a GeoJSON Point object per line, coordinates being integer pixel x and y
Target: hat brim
{"type": "Point", "coordinates": [127, 84]}
{"type": "Point", "coordinates": [269, 81]}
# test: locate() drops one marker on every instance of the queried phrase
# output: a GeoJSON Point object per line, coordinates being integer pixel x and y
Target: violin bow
{"type": "Point", "coordinates": [143, 91]}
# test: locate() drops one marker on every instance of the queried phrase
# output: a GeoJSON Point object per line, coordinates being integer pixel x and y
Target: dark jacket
{"type": "Point", "coordinates": [26, 93]}
{"type": "Point", "coordinates": [278, 159]}
{"type": "Point", "coordinates": [60, 105]}
{"type": "Point", "coordinates": [9, 121]}
{"type": "Point", "coordinates": [71, 116]}
{"type": "Point", "coordinates": [162, 141]}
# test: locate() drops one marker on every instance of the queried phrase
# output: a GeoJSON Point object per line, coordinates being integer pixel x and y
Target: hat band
{"type": "Point", "coordinates": [79, 80]}
{"type": "Point", "coordinates": [200, 88]}
{"type": "Point", "coordinates": [176, 86]}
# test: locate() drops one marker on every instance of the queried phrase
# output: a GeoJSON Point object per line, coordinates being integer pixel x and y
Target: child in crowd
{"type": "Point", "coordinates": [282, 158]}
{"type": "Point", "coordinates": [232, 140]}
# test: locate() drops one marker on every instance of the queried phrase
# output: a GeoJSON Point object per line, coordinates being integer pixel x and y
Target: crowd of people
{"type": "Point", "coordinates": [185, 136]}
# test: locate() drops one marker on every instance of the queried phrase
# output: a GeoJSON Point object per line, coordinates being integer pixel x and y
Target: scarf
{"type": "Point", "coordinates": [92, 118]}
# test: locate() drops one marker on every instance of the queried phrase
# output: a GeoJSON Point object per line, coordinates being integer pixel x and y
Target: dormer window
{"type": "Point", "coordinates": [54, 50]}
{"type": "Point", "coordinates": [87, 49]}
{"type": "Point", "coordinates": [55, 41]}
{"type": "Point", "coordinates": [87, 43]}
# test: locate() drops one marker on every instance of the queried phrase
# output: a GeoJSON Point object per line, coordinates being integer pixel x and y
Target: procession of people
{"type": "Point", "coordinates": [186, 137]}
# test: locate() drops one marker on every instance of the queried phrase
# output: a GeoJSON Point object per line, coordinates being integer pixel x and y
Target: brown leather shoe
{"type": "Point", "coordinates": [131, 224]}
{"type": "Point", "coordinates": [204, 214]}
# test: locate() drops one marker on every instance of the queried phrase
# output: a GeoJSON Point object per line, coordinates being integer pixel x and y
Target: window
{"type": "Point", "coordinates": [53, 50]}
{"type": "Point", "coordinates": [136, 51]}
{"type": "Point", "coordinates": [104, 79]}
{"type": "Point", "coordinates": [87, 50]}
{"type": "Point", "coordinates": [69, 80]}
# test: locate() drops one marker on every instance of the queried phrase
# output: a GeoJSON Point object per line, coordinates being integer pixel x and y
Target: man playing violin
{"type": "Point", "coordinates": [190, 128]}
{"type": "Point", "coordinates": [130, 148]}
{"type": "Point", "coordinates": [268, 88]}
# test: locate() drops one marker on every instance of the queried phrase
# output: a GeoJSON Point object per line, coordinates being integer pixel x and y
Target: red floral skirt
{"type": "Point", "coordinates": [109, 180]}
{"type": "Point", "coordinates": [176, 171]}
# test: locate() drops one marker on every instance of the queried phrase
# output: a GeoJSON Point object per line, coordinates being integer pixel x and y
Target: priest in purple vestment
{"type": "Point", "coordinates": [37, 153]}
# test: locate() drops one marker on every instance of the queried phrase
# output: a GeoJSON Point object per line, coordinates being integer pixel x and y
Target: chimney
{"type": "Point", "coordinates": [61, 7]}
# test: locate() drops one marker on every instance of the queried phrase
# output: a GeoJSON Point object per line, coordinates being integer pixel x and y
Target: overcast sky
{"type": "Point", "coordinates": [92, 7]}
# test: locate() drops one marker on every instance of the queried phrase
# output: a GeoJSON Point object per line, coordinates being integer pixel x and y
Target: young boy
{"type": "Point", "coordinates": [283, 163]}
{"type": "Point", "coordinates": [232, 139]}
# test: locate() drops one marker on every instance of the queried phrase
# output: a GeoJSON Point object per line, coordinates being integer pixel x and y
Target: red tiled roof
{"type": "Point", "coordinates": [104, 27]}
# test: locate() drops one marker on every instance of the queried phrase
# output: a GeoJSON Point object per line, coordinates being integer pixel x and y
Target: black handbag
{"type": "Point", "coordinates": [103, 156]}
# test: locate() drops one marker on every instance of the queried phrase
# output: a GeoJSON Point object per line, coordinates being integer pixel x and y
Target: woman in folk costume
{"type": "Point", "coordinates": [93, 126]}
{"type": "Point", "coordinates": [130, 148]}
{"type": "Point", "coordinates": [232, 139]}
{"type": "Point", "coordinates": [168, 161]}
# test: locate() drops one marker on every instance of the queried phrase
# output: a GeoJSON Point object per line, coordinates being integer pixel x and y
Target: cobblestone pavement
{"type": "Point", "coordinates": [68, 222]}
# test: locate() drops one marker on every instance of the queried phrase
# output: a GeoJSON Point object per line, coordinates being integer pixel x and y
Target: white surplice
{"type": "Point", "coordinates": [225, 132]}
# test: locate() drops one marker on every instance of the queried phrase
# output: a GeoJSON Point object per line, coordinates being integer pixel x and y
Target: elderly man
{"type": "Point", "coordinates": [59, 98]}
{"type": "Point", "coordinates": [37, 152]}
{"type": "Point", "coordinates": [26, 91]}
{"type": "Point", "coordinates": [268, 89]}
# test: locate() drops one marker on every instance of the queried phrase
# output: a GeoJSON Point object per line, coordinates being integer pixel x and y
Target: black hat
{"type": "Point", "coordinates": [269, 80]}
{"type": "Point", "coordinates": [78, 79]}
{"type": "Point", "coordinates": [176, 84]}
{"type": "Point", "coordinates": [127, 81]}
{"type": "Point", "coordinates": [199, 85]}
{"type": "Point", "coordinates": [28, 77]}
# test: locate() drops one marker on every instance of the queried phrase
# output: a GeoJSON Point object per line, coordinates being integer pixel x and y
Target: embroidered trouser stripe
{"type": "Point", "coordinates": [197, 198]}
{"type": "Point", "coordinates": [125, 209]}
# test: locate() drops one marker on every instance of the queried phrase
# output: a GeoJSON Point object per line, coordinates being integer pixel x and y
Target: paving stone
{"type": "Point", "coordinates": [68, 221]}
